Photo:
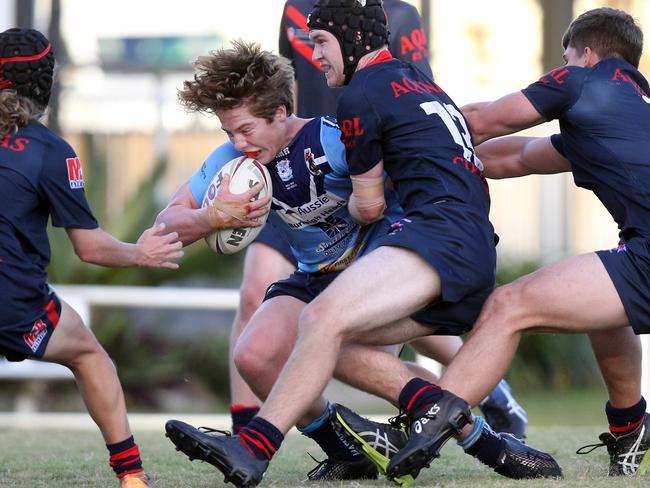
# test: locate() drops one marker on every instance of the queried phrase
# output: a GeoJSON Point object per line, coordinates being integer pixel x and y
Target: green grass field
{"type": "Point", "coordinates": [68, 458]}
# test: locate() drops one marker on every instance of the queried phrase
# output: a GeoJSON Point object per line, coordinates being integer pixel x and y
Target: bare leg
{"type": "Point", "coordinates": [350, 307]}
{"type": "Point", "coordinates": [439, 348]}
{"type": "Point", "coordinates": [618, 353]}
{"type": "Point", "coordinates": [574, 295]}
{"type": "Point", "coordinates": [73, 345]}
{"type": "Point", "coordinates": [263, 266]}
{"type": "Point", "coordinates": [265, 345]}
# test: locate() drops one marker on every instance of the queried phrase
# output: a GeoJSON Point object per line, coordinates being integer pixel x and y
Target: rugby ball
{"type": "Point", "coordinates": [244, 173]}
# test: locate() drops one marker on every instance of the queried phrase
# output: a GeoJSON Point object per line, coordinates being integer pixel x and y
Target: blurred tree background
{"type": "Point", "coordinates": [171, 360]}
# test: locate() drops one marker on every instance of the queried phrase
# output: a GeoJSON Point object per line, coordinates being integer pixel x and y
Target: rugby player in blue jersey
{"type": "Point", "coordinates": [251, 92]}
{"type": "Point", "coordinates": [269, 257]}
{"type": "Point", "coordinates": [368, 304]}
{"type": "Point", "coordinates": [41, 177]}
{"type": "Point", "coordinates": [602, 103]}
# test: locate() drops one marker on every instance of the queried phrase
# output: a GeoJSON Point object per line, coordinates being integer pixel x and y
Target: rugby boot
{"type": "Point", "coordinates": [378, 442]}
{"type": "Point", "coordinates": [628, 453]}
{"type": "Point", "coordinates": [519, 461]}
{"type": "Point", "coordinates": [136, 480]}
{"type": "Point", "coordinates": [503, 413]}
{"type": "Point", "coordinates": [225, 452]}
{"type": "Point", "coordinates": [340, 469]}
{"type": "Point", "coordinates": [429, 429]}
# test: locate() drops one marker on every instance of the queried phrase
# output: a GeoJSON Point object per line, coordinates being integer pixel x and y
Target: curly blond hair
{"type": "Point", "coordinates": [16, 111]}
{"type": "Point", "coordinates": [243, 74]}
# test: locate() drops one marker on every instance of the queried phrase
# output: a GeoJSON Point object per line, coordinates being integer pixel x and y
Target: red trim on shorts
{"type": "Point", "coordinates": [52, 313]}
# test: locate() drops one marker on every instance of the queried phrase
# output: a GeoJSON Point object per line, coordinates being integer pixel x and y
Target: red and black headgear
{"type": "Point", "coordinates": [26, 64]}
{"type": "Point", "coordinates": [359, 26]}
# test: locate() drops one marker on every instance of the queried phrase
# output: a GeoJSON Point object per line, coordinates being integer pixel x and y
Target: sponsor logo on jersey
{"type": "Point", "coordinates": [17, 145]}
{"type": "Point", "coordinates": [75, 173]}
{"type": "Point", "coordinates": [310, 213]}
{"type": "Point", "coordinates": [34, 338]}
{"type": "Point", "coordinates": [414, 46]}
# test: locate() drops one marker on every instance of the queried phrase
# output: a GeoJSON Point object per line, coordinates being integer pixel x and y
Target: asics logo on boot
{"type": "Point", "coordinates": [420, 423]}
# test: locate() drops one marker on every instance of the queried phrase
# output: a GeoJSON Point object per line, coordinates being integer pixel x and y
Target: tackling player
{"type": "Point", "coordinates": [446, 201]}
{"type": "Point", "coordinates": [602, 103]}
{"type": "Point", "coordinates": [41, 177]}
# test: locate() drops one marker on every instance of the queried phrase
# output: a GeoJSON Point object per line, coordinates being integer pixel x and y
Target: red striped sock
{"type": "Point", "coordinates": [125, 457]}
{"type": "Point", "coordinates": [261, 438]}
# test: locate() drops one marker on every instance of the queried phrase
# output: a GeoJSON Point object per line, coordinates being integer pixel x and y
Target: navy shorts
{"type": "Point", "coordinates": [20, 342]}
{"type": "Point", "coordinates": [272, 238]}
{"type": "Point", "coordinates": [303, 286]}
{"type": "Point", "coordinates": [461, 248]}
{"type": "Point", "coordinates": [628, 265]}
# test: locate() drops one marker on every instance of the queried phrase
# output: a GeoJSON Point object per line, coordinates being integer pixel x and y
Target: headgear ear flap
{"type": "Point", "coordinates": [27, 64]}
{"type": "Point", "coordinates": [358, 25]}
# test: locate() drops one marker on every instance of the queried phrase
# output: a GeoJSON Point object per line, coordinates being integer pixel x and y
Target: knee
{"type": "Point", "coordinates": [251, 356]}
{"type": "Point", "coordinates": [505, 309]}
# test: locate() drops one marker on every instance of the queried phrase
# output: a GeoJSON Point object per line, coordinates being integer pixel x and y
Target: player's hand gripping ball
{"type": "Point", "coordinates": [244, 173]}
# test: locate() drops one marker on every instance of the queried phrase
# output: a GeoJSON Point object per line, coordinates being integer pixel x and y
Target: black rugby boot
{"type": "Point", "coordinates": [519, 461]}
{"type": "Point", "coordinates": [225, 452]}
{"type": "Point", "coordinates": [628, 453]}
{"type": "Point", "coordinates": [377, 441]}
{"type": "Point", "coordinates": [429, 430]}
{"type": "Point", "coordinates": [331, 469]}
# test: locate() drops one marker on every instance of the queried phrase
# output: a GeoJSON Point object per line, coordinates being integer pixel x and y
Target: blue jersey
{"type": "Point", "coordinates": [40, 176]}
{"type": "Point", "coordinates": [604, 115]}
{"type": "Point", "coordinates": [392, 112]}
{"type": "Point", "coordinates": [311, 187]}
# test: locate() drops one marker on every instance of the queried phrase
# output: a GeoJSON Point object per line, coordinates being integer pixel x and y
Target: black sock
{"type": "Point", "coordinates": [261, 438]}
{"type": "Point", "coordinates": [125, 457]}
{"type": "Point", "coordinates": [418, 395]}
{"type": "Point", "coordinates": [487, 446]}
{"type": "Point", "coordinates": [624, 420]}
{"type": "Point", "coordinates": [241, 415]}
{"type": "Point", "coordinates": [332, 444]}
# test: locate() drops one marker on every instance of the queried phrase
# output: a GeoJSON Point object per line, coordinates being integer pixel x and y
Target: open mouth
{"type": "Point", "coordinates": [252, 154]}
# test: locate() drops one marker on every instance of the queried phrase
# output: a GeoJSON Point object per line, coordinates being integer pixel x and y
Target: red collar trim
{"type": "Point", "coordinates": [381, 58]}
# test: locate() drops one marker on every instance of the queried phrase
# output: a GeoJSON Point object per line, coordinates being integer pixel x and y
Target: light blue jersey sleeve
{"type": "Point", "coordinates": [200, 180]}
{"type": "Point", "coordinates": [330, 137]}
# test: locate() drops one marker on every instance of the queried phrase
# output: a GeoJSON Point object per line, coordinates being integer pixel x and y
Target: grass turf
{"type": "Point", "coordinates": [57, 458]}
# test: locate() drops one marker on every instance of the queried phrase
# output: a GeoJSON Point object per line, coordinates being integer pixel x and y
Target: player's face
{"type": "Point", "coordinates": [327, 52]}
{"type": "Point", "coordinates": [255, 136]}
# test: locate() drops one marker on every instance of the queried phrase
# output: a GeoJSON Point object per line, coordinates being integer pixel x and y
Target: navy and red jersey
{"type": "Point", "coordinates": [604, 115]}
{"type": "Point", "coordinates": [40, 176]}
{"type": "Point", "coordinates": [407, 41]}
{"type": "Point", "coordinates": [392, 112]}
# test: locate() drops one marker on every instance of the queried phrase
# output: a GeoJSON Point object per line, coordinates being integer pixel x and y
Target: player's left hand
{"type": "Point", "coordinates": [238, 210]}
{"type": "Point", "coordinates": [159, 250]}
